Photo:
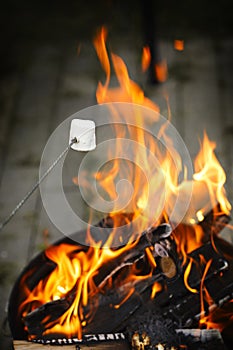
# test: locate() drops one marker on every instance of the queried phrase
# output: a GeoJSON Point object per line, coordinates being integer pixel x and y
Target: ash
{"type": "Point", "coordinates": [163, 331]}
{"type": "Point", "coordinates": [160, 330]}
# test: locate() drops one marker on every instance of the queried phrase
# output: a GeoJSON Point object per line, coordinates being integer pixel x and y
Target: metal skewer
{"type": "Point", "coordinates": [36, 185]}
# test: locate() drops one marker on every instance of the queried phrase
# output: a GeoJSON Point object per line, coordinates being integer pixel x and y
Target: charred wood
{"type": "Point", "coordinates": [175, 301]}
{"type": "Point", "coordinates": [42, 318]}
{"type": "Point", "coordinates": [214, 222]}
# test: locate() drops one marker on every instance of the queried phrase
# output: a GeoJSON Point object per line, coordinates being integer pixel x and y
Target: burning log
{"type": "Point", "coordinates": [120, 301]}
{"type": "Point", "coordinates": [184, 307]}
{"type": "Point", "coordinates": [175, 301]}
{"type": "Point", "coordinates": [215, 221]}
{"type": "Point", "coordinates": [155, 237]}
{"type": "Point", "coordinates": [46, 315]}
{"type": "Point", "coordinates": [88, 290]}
{"type": "Point", "coordinates": [39, 319]}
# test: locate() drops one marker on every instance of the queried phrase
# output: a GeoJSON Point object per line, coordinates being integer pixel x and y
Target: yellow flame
{"type": "Point", "coordinates": [77, 268]}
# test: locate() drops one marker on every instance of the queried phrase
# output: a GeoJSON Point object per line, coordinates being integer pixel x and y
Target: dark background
{"type": "Point", "coordinates": [25, 24]}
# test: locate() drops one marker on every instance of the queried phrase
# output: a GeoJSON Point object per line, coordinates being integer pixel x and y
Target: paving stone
{"type": "Point", "coordinates": [8, 92]}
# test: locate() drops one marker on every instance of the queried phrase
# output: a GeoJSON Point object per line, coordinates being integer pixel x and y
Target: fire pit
{"type": "Point", "coordinates": [117, 306]}
{"type": "Point", "coordinates": [166, 284]}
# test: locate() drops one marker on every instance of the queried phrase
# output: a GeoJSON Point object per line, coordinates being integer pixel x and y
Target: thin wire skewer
{"type": "Point", "coordinates": [36, 185]}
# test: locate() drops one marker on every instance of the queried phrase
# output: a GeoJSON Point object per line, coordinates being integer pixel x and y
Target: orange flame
{"type": "Point", "coordinates": [202, 291]}
{"type": "Point", "coordinates": [73, 277]}
{"type": "Point", "coordinates": [76, 269]}
{"type": "Point", "coordinates": [220, 318]}
{"type": "Point", "coordinates": [179, 45]}
{"type": "Point", "coordinates": [146, 58]}
{"type": "Point", "coordinates": [128, 91]}
{"type": "Point", "coordinates": [161, 71]}
{"type": "Point", "coordinates": [209, 171]}
{"type": "Point", "coordinates": [155, 289]}
{"type": "Point", "coordinates": [186, 275]}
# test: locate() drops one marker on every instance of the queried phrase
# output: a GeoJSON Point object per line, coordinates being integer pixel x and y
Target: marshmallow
{"type": "Point", "coordinates": [84, 132]}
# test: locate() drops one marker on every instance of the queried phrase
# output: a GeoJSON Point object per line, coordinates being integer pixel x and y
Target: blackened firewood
{"type": "Point", "coordinates": [112, 314]}
{"type": "Point", "coordinates": [109, 312]}
{"type": "Point", "coordinates": [162, 330]}
{"type": "Point", "coordinates": [214, 222]}
{"type": "Point", "coordinates": [184, 307]}
{"type": "Point", "coordinates": [46, 267]}
{"type": "Point", "coordinates": [175, 301]}
{"type": "Point", "coordinates": [44, 316]}
{"type": "Point", "coordinates": [159, 329]}
{"type": "Point", "coordinates": [132, 256]}
{"type": "Point", "coordinates": [123, 221]}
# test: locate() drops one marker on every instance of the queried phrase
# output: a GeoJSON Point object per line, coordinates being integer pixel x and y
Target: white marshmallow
{"type": "Point", "coordinates": [84, 131]}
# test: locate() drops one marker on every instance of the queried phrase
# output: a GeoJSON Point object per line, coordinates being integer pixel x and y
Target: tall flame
{"type": "Point", "coordinates": [209, 171]}
{"type": "Point", "coordinates": [76, 268]}
{"type": "Point", "coordinates": [128, 91]}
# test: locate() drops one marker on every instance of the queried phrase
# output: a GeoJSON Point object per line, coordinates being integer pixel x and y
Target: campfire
{"type": "Point", "coordinates": [159, 278]}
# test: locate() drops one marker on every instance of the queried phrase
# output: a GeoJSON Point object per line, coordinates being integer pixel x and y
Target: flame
{"type": "Point", "coordinates": [77, 268]}
{"type": "Point", "coordinates": [146, 58]}
{"type": "Point", "coordinates": [128, 91]}
{"type": "Point", "coordinates": [150, 257]}
{"type": "Point", "coordinates": [179, 45]}
{"type": "Point", "coordinates": [161, 71]}
{"type": "Point", "coordinates": [209, 170]}
{"type": "Point", "coordinates": [203, 291]}
{"type": "Point", "coordinates": [186, 275]}
{"type": "Point", "coordinates": [208, 180]}
{"type": "Point", "coordinates": [74, 278]}
{"type": "Point", "coordinates": [219, 318]}
{"type": "Point", "coordinates": [188, 238]}
{"type": "Point", "coordinates": [155, 289]}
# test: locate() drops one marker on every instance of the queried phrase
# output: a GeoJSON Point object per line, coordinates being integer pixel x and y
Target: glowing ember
{"type": "Point", "coordinates": [179, 45]}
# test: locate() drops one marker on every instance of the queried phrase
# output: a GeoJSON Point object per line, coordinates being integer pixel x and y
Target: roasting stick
{"type": "Point", "coordinates": [82, 138]}
{"type": "Point", "coordinates": [36, 185]}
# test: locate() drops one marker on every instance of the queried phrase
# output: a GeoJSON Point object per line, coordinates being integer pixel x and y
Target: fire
{"type": "Point", "coordinates": [204, 292]}
{"type": "Point", "coordinates": [179, 45]}
{"type": "Point", "coordinates": [161, 71]}
{"type": "Point", "coordinates": [76, 273]}
{"type": "Point", "coordinates": [186, 275]}
{"type": "Point", "coordinates": [128, 91]}
{"type": "Point", "coordinates": [73, 277]}
{"type": "Point", "coordinates": [155, 289]}
{"type": "Point", "coordinates": [146, 58]}
{"type": "Point", "coordinates": [209, 171]}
